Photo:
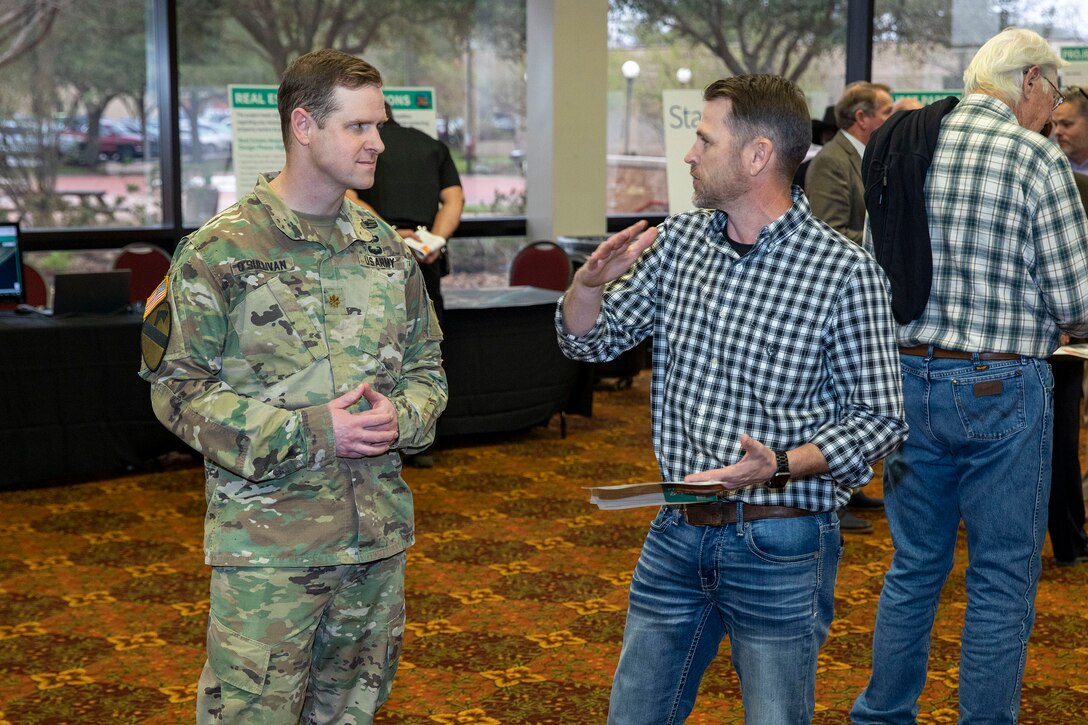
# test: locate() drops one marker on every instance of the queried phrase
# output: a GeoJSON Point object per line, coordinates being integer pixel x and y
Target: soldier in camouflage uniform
{"type": "Point", "coordinates": [294, 346]}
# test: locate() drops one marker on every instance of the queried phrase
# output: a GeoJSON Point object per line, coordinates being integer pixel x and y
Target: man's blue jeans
{"type": "Point", "coordinates": [768, 584]}
{"type": "Point", "coordinates": [979, 450]}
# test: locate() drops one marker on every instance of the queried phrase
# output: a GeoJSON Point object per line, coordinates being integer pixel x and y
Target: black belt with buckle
{"type": "Point", "coordinates": [923, 351]}
{"type": "Point", "coordinates": [720, 513]}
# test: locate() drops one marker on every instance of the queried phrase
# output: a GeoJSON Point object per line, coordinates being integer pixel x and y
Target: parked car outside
{"type": "Point", "coordinates": [451, 131]}
{"type": "Point", "coordinates": [20, 143]}
{"type": "Point", "coordinates": [115, 142]}
{"type": "Point", "coordinates": [215, 138]}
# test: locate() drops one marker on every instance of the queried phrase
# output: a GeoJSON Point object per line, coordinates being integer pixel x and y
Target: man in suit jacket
{"type": "Point", "coordinates": [833, 183]}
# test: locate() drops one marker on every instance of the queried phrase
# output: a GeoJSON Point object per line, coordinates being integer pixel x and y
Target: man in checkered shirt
{"type": "Point", "coordinates": [1010, 273]}
{"type": "Point", "coordinates": [775, 374]}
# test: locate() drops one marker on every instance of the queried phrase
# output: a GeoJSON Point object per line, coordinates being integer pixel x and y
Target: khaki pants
{"type": "Point", "coordinates": [312, 645]}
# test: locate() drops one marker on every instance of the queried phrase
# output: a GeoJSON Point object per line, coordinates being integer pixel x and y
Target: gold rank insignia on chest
{"type": "Point", "coordinates": [334, 301]}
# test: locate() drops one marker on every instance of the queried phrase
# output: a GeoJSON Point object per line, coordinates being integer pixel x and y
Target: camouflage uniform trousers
{"type": "Point", "coordinates": [310, 645]}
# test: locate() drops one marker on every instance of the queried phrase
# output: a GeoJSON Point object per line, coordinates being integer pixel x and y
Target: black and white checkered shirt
{"type": "Point", "coordinates": [793, 343]}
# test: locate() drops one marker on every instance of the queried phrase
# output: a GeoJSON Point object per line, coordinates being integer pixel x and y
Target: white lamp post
{"type": "Point", "coordinates": [683, 76]}
{"type": "Point", "coordinates": [630, 70]}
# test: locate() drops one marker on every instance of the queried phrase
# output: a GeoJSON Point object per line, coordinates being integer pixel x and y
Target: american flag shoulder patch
{"type": "Point", "coordinates": [157, 296]}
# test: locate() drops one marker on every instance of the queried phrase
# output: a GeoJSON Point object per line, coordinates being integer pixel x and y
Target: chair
{"type": "Point", "coordinates": [148, 264]}
{"type": "Point", "coordinates": [36, 292]}
{"type": "Point", "coordinates": [541, 264]}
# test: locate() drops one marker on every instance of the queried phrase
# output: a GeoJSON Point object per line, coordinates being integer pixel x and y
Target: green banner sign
{"type": "Point", "coordinates": [1075, 54]}
{"type": "Point", "coordinates": [256, 97]}
{"type": "Point", "coordinates": [926, 97]}
{"type": "Point", "coordinates": [409, 99]}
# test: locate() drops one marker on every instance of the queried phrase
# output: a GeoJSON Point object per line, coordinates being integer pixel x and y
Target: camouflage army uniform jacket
{"type": "Point", "coordinates": [270, 321]}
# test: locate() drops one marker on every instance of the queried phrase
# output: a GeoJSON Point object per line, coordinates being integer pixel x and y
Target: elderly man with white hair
{"type": "Point", "coordinates": [1009, 276]}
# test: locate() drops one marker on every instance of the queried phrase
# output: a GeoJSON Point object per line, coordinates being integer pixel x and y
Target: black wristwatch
{"type": "Point", "coordinates": [781, 476]}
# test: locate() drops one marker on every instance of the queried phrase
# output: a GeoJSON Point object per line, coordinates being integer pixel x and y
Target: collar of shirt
{"type": "Point", "coordinates": [981, 103]}
{"type": "Point", "coordinates": [349, 226]}
{"type": "Point", "coordinates": [770, 236]}
{"type": "Point", "coordinates": [858, 145]}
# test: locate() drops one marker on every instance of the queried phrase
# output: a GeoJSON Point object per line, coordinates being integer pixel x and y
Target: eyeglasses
{"type": "Point", "coordinates": [1059, 98]}
{"type": "Point", "coordinates": [1077, 89]}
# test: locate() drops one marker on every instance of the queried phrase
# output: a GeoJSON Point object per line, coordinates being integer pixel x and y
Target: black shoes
{"type": "Point", "coordinates": [851, 524]}
{"type": "Point", "coordinates": [859, 500]}
{"type": "Point", "coordinates": [1080, 557]}
{"type": "Point", "coordinates": [420, 460]}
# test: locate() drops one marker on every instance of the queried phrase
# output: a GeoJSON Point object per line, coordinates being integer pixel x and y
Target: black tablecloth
{"type": "Point", "coordinates": [72, 406]}
{"type": "Point", "coordinates": [503, 363]}
{"type": "Point", "coordinates": [71, 403]}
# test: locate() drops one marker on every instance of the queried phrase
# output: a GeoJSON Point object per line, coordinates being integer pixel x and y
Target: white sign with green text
{"type": "Point", "coordinates": [256, 140]}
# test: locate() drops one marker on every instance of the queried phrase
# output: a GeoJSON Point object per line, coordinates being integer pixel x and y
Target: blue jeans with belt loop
{"type": "Point", "coordinates": [769, 584]}
{"type": "Point", "coordinates": [979, 450]}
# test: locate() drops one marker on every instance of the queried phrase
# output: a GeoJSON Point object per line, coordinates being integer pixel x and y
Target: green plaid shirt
{"type": "Point", "coordinates": [1009, 238]}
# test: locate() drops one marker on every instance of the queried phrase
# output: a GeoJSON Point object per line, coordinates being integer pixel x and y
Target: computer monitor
{"type": "Point", "coordinates": [11, 264]}
{"type": "Point", "coordinates": [91, 293]}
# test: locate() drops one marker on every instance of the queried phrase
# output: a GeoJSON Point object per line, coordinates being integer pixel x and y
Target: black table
{"type": "Point", "coordinates": [503, 363]}
{"type": "Point", "coordinates": [71, 403]}
{"type": "Point", "coordinates": [72, 406]}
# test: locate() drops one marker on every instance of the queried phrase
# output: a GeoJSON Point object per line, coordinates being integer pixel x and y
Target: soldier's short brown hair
{"type": "Point", "coordinates": [310, 82]}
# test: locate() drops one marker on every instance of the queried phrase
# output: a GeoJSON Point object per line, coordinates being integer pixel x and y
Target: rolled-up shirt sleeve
{"type": "Point", "coordinates": [868, 390]}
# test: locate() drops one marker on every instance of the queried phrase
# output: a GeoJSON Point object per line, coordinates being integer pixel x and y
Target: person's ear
{"type": "Point", "coordinates": [1032, 76]}
{"type": "Point", "coordinates": [302, 124]}
{"type": "Point", "coordinates": [761, 151]}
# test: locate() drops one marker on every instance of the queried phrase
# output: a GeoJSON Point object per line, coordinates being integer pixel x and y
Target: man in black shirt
{"type": "Point", "coordinates": [417, 184]}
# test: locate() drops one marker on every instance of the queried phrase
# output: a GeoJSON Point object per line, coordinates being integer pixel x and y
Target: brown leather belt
{"type": "Point", "coordinates": [720, 513]}
{"type": "Point", "coordinates": [923, 351]}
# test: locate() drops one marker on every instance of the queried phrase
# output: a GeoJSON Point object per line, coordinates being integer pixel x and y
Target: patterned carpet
{"type": "Point", "coordinates": [516, 600]}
